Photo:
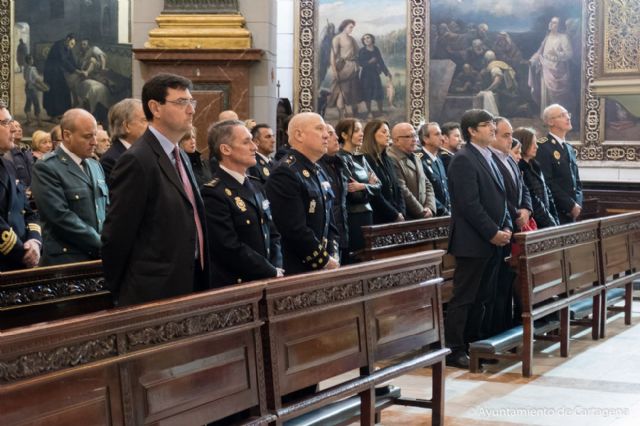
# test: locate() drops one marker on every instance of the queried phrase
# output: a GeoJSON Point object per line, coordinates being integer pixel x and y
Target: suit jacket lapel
{"type": "Point", "coordinates": [73, 168]}
{"type": "Point", "coordinates": [232, 183]}
{"type": "Point", "coordinates": [486, 166]}
{"type": "Point", "coordinates": [165, 163]}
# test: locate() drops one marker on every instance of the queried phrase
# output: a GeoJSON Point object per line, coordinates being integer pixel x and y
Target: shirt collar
{"type": "Point", "coordinates": [126, 144]}
{"type": "Point", "coordinates": [165, 143]}
{"type": "Point", "coordinates": [433, 157]}
{"type": "Point", "coordinates": [73, 156]}
{"type": "Point", "coordinates": [237, 176]}
{"type": "Point", "coordinates": [264, 157]}
{"type": "Point", "coordinates": [501, 155]}
{"type": "Point", "coordinates": [486, 153]}
{"type": "Point", "coordinates": [558, 138]}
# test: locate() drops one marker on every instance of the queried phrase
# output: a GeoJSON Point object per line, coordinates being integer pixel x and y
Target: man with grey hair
{"type": "Point", "coordinates": [243, 241]}
{"type": "Point", "coordinates": [558, 162]}
{"type": "Point", "coordinates": [126, 123]}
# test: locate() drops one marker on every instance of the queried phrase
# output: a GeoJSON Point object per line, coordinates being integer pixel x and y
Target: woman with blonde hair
{"type": "Point", "coordinates": [40, 144]}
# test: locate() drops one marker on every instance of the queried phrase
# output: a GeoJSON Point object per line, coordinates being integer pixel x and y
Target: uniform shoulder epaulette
{"type": "Point", "coordinates": [542, 140]}
{"type": "Point", "coordinates": [257, 179]}
{"type": "Point", "coordinates": [290, 160]}
{"type": "Point", "coordinates": [212, 183]}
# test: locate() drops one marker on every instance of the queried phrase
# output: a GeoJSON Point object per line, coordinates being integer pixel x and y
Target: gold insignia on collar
{"type": "Point", "coordinates": [306, 173]}
{"type": "Point", "coordinates": [265, 171]}
{"type": "Point", "coordinates": [419, 155]}
{"type": "Point", "coordinates": [240, 203]}
{"type": "Point", "coordinates": [543, 140]}
{"type": "Point", "coordinates": [556, 155]}
{"type": "Point", "coordinates": [312, 205]}
{"type": "Point", "coordinates": [227, 191]}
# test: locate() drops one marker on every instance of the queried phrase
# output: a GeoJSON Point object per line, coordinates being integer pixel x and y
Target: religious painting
{"type": "Point", "coordinates": [66, 54]}
{"type": "Point", "coordinates": [362, 58]}
{"type": "Point", "coordinates": [511, 57]}
{"type": "Point", "coordinates": [620, 124]}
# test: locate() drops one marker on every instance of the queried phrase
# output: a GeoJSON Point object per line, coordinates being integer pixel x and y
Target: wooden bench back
{"type": "Point", "coordinates": [320, 326]}
{"type": "Point", "coordinates": [620, 245]}
{"type": "Point", "coordinates": [557, 262]}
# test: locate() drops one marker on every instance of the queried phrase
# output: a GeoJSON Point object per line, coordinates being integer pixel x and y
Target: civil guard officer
{"type": "Point", "coordinates": [301, 199]}
{"type": "Point", "coordinates": [243, 242]}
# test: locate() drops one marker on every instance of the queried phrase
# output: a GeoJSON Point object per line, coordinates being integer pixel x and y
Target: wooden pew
{"type": "Point", "coordinates": [556, 267]}
{"type": "Point", "coordinates": [619, 261]}
{"type": "Point", "coordinates": [180, 361]}
{"type": "Point", "coordinates": [45, 294]}
{"type": "Point", "coordinates": [412, 236]}
{"type": "Point", "coordinates": [323, 325]}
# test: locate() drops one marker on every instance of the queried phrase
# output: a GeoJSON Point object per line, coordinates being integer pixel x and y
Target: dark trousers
{"type": "Point", "coordinates": [474, 287]}
{"type": "Point", "coordinates": [503, 307]}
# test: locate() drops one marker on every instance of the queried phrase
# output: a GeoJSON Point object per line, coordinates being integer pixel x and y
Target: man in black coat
{"type": "Point", "coordinates": [266, 143]}
{"type": "Point", "coordinates": [60, 62]}
{"type": "Point", "coordinates": [154, 238]}
{"type": "Point", "coordinates": [243, 241]}
{"type": "Point", "coordinates": [126, 123]}
{"type": "Point", "coordinates": [480, 227]}
{"type": "Point", "coordinates": [430, 142]}
{"type": "Point", "coordinates": [20, 234]}
{"type": "Point", "coordinates": [557, 159]}
{"type": "Point", "coordinates": [301, 198]}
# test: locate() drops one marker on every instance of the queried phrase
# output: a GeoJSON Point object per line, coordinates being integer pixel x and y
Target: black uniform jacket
{"type": "Point", "coordinates": [243, 242]}
{"type": "Point", "coordinates": [301, 199]}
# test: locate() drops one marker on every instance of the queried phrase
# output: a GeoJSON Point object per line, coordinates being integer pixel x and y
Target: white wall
{"type": "Point", "coordinates": [286, 23]}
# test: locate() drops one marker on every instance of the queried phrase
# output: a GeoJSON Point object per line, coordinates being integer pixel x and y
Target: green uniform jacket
{"type": "Point", "coordinates": [72, 206]}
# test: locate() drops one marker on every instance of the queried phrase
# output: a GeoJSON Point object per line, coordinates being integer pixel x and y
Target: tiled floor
{"type": "Point", "coordinates": [597, 385]}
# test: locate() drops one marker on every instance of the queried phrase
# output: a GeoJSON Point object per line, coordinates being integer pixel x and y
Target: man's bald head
{"type": "Point", "coordinates": [404, 137]}
{"type": "Point", "coordinates": [227, 115]}
{"type": "Point", "coordinates": [79, 129]}
{"type": "Point", "coordinates": [308, 134]}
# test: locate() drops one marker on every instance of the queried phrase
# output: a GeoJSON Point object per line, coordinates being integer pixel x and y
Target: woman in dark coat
{"type": "Point", "coordinates": [200, 169]}
{"type": "Point", "coordinates": [388, 205]}
{"type": "Point", "coordinates": [363, 184]}
{"type": "Point", "coordinates": [372, 65]}
{"type": "Point", "coordinates": [544, 209]}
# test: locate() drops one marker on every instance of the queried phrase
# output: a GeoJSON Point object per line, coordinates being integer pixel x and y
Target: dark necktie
{"type": "Point", "coordinates": [186, 185]}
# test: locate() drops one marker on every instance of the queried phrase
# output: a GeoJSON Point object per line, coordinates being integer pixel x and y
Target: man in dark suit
{"type": "Point", "coordinates": [243, 240]}
{"type": "Point", "coordinates": [71, 193]}
{"type": "Point", "coordinates": [19, 157]}
{"type": "Point", "coordinates": [519, 205]}
{"type": "Point", "coordinates": [557, 159]}
{"type": "Point", "coordinates": [452, 142]}
{"type": "Point", "coordinates": [20, 239]}
{"type": "Point", "coordinates": [480, 227]}
{"type": "Point", "coordinates": [154, 239]}
{"type": "Point", "coordinates": [431, 140]}
{"type": "Point", "coordinates": [301, 199]}
{"type": "Point", "coordinates": [266, 143]}
{"type": "Point", "coordinates": [126, 123]}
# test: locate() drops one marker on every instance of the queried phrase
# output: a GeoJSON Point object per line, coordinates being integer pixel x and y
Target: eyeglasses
{"type": "Point", "coordinates": [411, 136]}
{"type": "Point", "coordinates": [563, 115]}
{"type": "Point", "coordinates": [6, 122]}
{"type": "Point", "coordinates": [490, 123]}
{"type": "Point", "coordinates": [184, 102]}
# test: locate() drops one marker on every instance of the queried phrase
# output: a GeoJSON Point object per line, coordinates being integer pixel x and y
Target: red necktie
{"type": "Point", "coordinates": [187, 188]}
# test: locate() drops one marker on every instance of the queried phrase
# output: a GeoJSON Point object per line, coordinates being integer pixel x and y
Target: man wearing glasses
{"type": "Point", "coordinates": [558, 162]}
{"type": "Point", "coordinates": [20, 239]}
{"type": "Point", "coordinates": [154, 239]}
{"type": "Point", "coordinates": [416, 189]}
{"type": "Point", "coordinates": [480, 227]}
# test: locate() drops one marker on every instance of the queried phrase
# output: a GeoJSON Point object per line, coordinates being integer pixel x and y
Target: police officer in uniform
{"type": "Point", "coordinates": [20, 235]}
{"type": "Point", "coordinates": [265, 141]}
{"type": "Point", "coordinates": [430, 142]}
{"type": "Point", "coordinates": [301, 198]}
{"type": "Point", "coordinates": [243, 242]}
{"type": "Point", "coordinates": [557, 160]}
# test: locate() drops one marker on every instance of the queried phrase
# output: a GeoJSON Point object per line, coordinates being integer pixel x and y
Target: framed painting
{"type": "Point", "coordinates": [513, 58]}
{"type": "Point", "coordinates": [361, 58]}
{"type": "Point", "coordinates": [65, 54]}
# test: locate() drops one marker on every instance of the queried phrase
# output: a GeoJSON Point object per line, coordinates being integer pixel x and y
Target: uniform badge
{"type": "Point", "coordinates": [556, 155]}
{"type": "Point", "coordinates": [306, 173]}
{"type": "Point", "coordinates": [265, 171]}
{"type": "Point", "coordinates": [312, 205]}
{"type": "Point", "coordinates": [241, 205]}
{"type": "Point", "coordinates": [265, 204]}
{"type": "Point", "coordinates": [227, 191]}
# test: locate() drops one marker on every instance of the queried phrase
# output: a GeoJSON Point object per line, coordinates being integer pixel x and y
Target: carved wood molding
{"type": "Point", "coordinates": [50, 290]}
{"type": "Point", "coordinates": [187, 327]}
{"type": "Point", "coordinates": [319, 297]}
{"type": "Point", "coordinates": [561, 241]}
{"type": "Point", "coordinates": [5, 51]}
{"type": "Point", "coordinates": [410, 236]}
{"type": "Point", "coordinates": [403, 279]}
{"type": "Point", "coordinates": [619, 228]}
{"type": "Point", "coordinates": [41, 362]}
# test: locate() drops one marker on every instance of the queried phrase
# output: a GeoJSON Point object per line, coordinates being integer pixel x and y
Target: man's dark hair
{"type": "Point", "coordinates": [156, 89]}
{"type": "Point", "coordinates": [423, 132]}
{"type": "Point", "coordinates": [471, 118]}
{"type": "Point", "coordinates": [449, 127]}
{"type": "Point", "coordinates": [221, 133]}
{"type": "Point", "coordinates": [256, 129]}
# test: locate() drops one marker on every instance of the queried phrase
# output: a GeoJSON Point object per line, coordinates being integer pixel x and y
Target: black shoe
{"type": "Point", "coordinates": [458, 359]}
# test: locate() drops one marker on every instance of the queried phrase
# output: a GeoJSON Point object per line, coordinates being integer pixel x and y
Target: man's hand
{"type": "Point", "coordinates": [501, 238]}
{"type": "Point", "coordinates": [523, 218]}
{"type": "Point", "coordinates": [427, 213]}
{"type": "Point", "coordinates": [279, 272]}
{"type": "Point", "coordinates": [332, 263]}
{"type": "Point", "coordinates": [576, 210]}
{"type": "Point", "coordinates": [31, 254]}
{"type": "Point", "coordinates": [400, 218]}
